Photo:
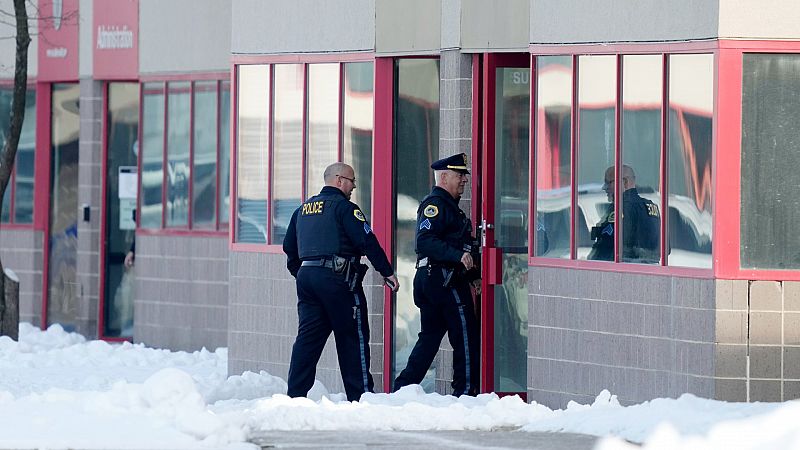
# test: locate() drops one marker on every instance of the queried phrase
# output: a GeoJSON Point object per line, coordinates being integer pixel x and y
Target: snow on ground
{"type": "Point", "coordinates": [58, 390]}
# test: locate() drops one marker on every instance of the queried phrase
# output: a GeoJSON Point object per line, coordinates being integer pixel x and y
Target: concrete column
{"type": "Point", "coordinates": [89, 193]}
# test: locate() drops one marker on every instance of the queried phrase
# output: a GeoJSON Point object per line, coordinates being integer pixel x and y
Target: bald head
{"type": "Point", "coordinates": [337, 168]}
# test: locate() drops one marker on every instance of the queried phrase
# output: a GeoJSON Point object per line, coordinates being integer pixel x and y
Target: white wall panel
{"type": "Point", "coordinates": [408, 26]}
{"type": "Point", "coordinates": [582, 21]}
{"type": "Point", "coordinates": [759, 19]}
{"type": "Point", "coordinates": [184, 35]}
{"type": "Point", "coordinates": [495, 25]}
{"type": "Point", "coordinates": [301, 26]}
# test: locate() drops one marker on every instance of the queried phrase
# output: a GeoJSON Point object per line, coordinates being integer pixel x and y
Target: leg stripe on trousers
{"type": "Point", "coordinates": [361, 349]}
{"type": "Point", "coordinates": [464, 336]}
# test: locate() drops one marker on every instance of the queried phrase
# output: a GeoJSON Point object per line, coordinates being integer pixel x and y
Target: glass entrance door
{"type": "Point", "coordinates": [505, 222]}
{"type": "Point", "coordinates": [63, 290]}
{"type": "Point", "coordinates": [122, 129]}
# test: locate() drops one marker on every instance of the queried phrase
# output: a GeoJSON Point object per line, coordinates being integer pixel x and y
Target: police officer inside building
{"type": "Point", "coordinates": [445, 267]}
{"type": "Point", "coordinates": [641, 224]}
{"type": "Point", "coordinates": [324, 243]}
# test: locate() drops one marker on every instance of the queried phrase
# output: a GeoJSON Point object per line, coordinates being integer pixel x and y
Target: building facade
{"type": "Point", "coordinates": [202, 149]}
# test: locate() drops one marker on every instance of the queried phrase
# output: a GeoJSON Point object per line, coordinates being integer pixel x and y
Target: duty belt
{"type": "Point", "coordinates": [327, 263]}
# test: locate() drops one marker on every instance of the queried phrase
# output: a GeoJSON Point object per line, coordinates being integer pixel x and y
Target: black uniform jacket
{"type": "Point", "coordinates": [329, 224]}
{"type": "Point", "coordinates": [444, 232]}
{"type": "Point", "coordinates": [641, 231]}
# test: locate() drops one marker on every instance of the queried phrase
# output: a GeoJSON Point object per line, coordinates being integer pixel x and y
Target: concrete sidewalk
{"type": "Point", "coordinates": [344, 439]}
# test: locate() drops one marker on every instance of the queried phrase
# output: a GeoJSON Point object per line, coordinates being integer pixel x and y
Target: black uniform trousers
{"type": "Point", "coordinates": [325, 304]}
{"type": "Point", "coordinates": [450, 310]}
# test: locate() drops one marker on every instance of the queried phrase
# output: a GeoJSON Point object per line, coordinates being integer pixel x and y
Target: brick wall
{"type": "Point", "coordinates": [181, 292]}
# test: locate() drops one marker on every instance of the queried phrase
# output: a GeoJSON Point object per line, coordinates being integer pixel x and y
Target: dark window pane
{"type": "Point", "coordinates": [691, 107]}
{"type": "Point", "coordinates": [23, 167]}
{"type": "Point", "coordinates": [152, 151]}
{"type": "Point", "coordinates": [252, 165]}
{"type": "Point", "coordinates": [642, 94]}
{"type": "Point", "coordinates": [63, 284]}
{"type": "Point", "coordinates": [416, 130]}
{"type": "Point", "coordinates": [122, 132]}
{"type": "Point", "coordinates": [224, 152]}
{"type": "Point", "coordinates": [597, 96]}
{"type": "Point", "coordinates": [512, 120]}
{"type": "Point", "coordinates": [770, 179]}
{"type": "Point", "coordinates": [178, 169]}
{"type": "Point", "coordinates": [287, 144]}
{"type": "Point", "coordinates": [204, 166]}
{"type": "Point", "coordinates": [553, 152]}
{"type": "Point", "coordinates": [357, 129]}
{"type": "Point", "coordinates": [323, 123]}
{"type": "Point", "coordinates": [6, 95]}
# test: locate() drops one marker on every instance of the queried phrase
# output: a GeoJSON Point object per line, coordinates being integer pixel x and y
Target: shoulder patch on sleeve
{"type": "Point", "coordinates": [359, 215]}
{"type": "Point", "coordinates": [430, 211]}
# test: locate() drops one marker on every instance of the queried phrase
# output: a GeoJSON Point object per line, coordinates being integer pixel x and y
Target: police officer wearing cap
{"type": "Point", "coordinates": [445, 267]}
{"type": "Point", "coordinates": [324, 243]}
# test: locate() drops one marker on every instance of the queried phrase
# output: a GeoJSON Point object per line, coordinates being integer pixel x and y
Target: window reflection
{"type": "Point", "coordinates": [204, 165]}
{"type": "Point", "coordinates": [178, 169]}
{"type": "Point", "coordinates": [357, 129]}
{"type": "Point", "coordinates": [357, 97]}
{"type": "Point", "coordinates": [23, 167]}
{"type": "Point", "coordinates": [416, 129]}
{"type": "Point", "coordinates": [770, 179]}
{"type": "Point", "coordinates": [597, 94]}
{"type": "Point", "coordinates": [20, 186]}
{"type": "Point", "coordinates": [642, 95]}
{"type": "Point", "coordinates": [252, 164]}
{"type": "Point", "coordinates": [553, 152]}
{"type": "Point", "coordinates": [691, 104]}
{"type": "Point", "coordinates": [323, 124]}
{"type": "Point", "coordinates": [152, 150]}
{"type": "Point", "coordinates": [224, 199]}
{"type": "Point", "coordinates": [287, 141]}
{"type": "Point", "coordinates": [63, 287]}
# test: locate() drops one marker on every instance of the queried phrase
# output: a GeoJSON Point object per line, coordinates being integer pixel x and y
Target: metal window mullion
{"type": "Point", "coordinates": [190, 194]}
{"type": "Point", "coordinates": [165, 149]}
{"type": "Point", "coordinates": [305, 148]}
{"type": "Point", "coordinates": [664, 158]}
{"type": "Point", "coordinates": [340, 150]}
{"type": "Point", "coordinates": [618, 185]}
{"type": "Point", "coordinates": [270, 148]}
{"type": "Point", "coordinates": [217, 205]}
{"type": "Point", "coordinates": [574, 160]}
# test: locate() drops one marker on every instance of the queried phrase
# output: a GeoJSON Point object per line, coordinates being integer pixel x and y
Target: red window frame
{"type": "Point", "coordinates": [305, 60]}
{"type": "Point", "coordinates": [720, 236]}
{"type": "Point", "coordinates": [12, 224]}
{"type": "Point", "coordinates": [220, 227]}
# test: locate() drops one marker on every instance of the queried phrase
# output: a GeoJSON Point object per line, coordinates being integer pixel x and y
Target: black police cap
{"type": "Point", "coordinates": [456, 162]}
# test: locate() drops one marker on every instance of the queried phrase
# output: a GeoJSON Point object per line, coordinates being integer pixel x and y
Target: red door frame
{"type": "Point", "coordinates": [491, 257]}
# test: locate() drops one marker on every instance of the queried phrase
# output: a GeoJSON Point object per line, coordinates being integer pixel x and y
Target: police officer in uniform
{"type": "Point", "coordinates": [324, 243]}
{"type": "Point", "coordinates": [641, 225]}
{"type": "Point", "coordinates": [445, 267]}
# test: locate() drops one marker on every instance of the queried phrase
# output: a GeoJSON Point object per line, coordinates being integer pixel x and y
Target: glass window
{"type": "Point", "coordinates": [204, 165]}
{"type": "Point", "coordinates": [691, 106]}
{"type": "Point", "coordinates": [553, 152]}
{"type": "Point", "coordinates": [20, 186]}
{"type": "Point", "coordinates": [152, 156]}
{"type": "Point", "coordinates": [416, 133]}
{"type": "Point", "coordinates": [642, 96]}
{"type": "Point", "coordinates": [287, 144]}
{"type": "Point", "coordinates": [597, 96]}
{"type": "Point", "coordinates": [23, 167]}
{"type": "Point", "coordinates": [770, 179]}
{"type": "Point", "coordinates": [252, 163]}
{"type": "Point", "coordinates": [323, 123]}
{"type": "Point", "coordinates": [357, 97]}
{"type": "Point", "coordinates": [178, 169]}
{"type": "Point", "coordinates": [224, 152]}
